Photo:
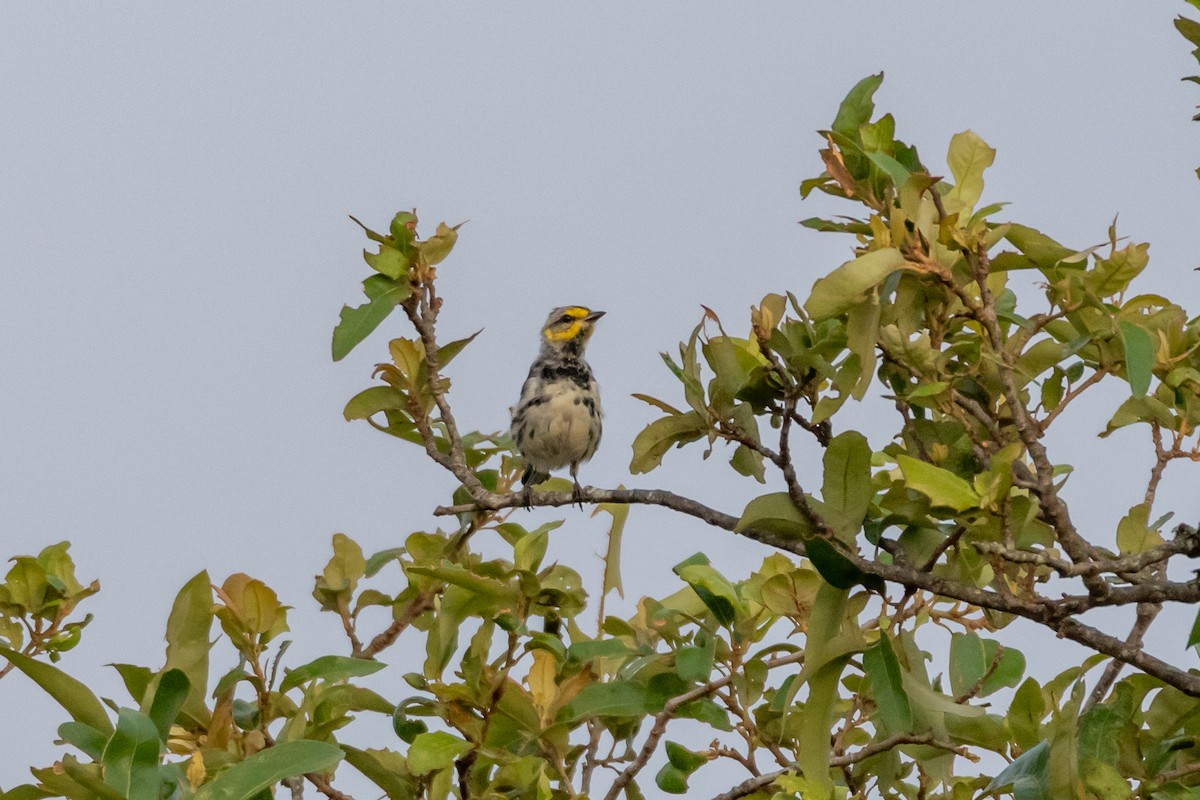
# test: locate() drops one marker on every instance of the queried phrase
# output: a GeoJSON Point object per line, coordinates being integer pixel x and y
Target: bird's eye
{"type": "Point", "coordinates": [566, 318]}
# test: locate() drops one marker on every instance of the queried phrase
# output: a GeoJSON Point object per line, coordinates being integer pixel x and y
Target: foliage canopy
{"type": "Point", "coordinates": [812, 674]}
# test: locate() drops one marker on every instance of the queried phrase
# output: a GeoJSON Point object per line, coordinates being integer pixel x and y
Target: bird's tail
{"type": "Point", "coordinates": [532, 477]}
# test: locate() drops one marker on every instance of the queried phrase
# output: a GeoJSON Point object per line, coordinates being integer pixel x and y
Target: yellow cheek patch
{"type": "Point", "coordinates": [566, 334]}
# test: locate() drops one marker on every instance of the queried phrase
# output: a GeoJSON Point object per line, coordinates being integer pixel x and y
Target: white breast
{"type": "Point", "coordinates": [562, 430]}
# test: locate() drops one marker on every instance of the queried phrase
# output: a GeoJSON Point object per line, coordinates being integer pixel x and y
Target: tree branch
{"type": "Point", "coordinates": [417, 606]}
{"type": "Point", "coordinates": [1055, 614]}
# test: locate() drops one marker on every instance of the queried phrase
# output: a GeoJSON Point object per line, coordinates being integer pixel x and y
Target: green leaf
{"type": "Point", "coordinates": [27, 585]}
{"type": "Point", "coordinates": [612, 555]}
{"type": "Point", "coordinates": [971, 658]}
{"type": "Point", "coordinates": [392, 781]}
{"type": "Point", "coordinates": [893, 168]}
{"type": "Point", "coordinates": [618, 698]}
{"type": "Point", "coordinates": [1025, 713]}
{"type": "Point", "coordinates": [846, 491]}
{"type": "Point", "coordinates": [74, 696]}
{"type": "Point", "coordinates": [85, 776]}
{"type": "Point", "coordinates": [749, 463]}
{"type": "Point", "coordinates": [436, 750]}
{"type": "Point", "coordinates": [968, 157]}
{"type": "Point", "coordinates": [858, 106]}
{"type": "Point", "coordinates": [659, 436]}
{"type": "Point", "coordinates": [389, 261]}
{"type": "Point", "coordinates": [356, 324]}
{"type": "Point", "coordinates": [1113, 275]}
{"type": "Point", "coordinates": [849, 283]}
{"type": "Point", "coordinates": [671, 780]}
{"type": "Point", "coordinates": [329, 669]}
{"type": "Point", "coordinates": [825, 658]}
{"type": "Point", "coordinates": [85, 737]}
{"type": "Point", "coordinates": [407, 729]}
{"type": "Point", "coordinates": [245, 780]}
{"type": "Point", "coordinates": [1100, 732]}
{"type": "Point", "coordinates": [714, 590]}
{"type": "Point", "coordinates": [403, 228]}
{"type": "Point", "coordinates": [891, 701]}
{"type": "Point", "coordinates": [169, 697]}
{"type": "Point", "coordinates": [485, 587]}
{"type": "Point", "coordinates": [135, 678]}
{"type": "Point", "coordinates": [838, 570]}
{"type": "Point", "coordinates": [448, 351]}
{"type": "Point", "coordinates": [1139, 357]}
{"type": "Point", "coordinates": [684, 759]}
{"type": "Point", "coordinates": [774, 513]}
{"type": "Point", "coordinates": [1194, 637]}
{"type": "Point", "coordinates": [131, 756]}
{"type": "Point", "coordinates": [373, 400]}
{"type": "Point", "coordinates": [1028, 775]}
{"type": "Point", "coordinates": [25, 791]}
{"type": "Point", "coordinates": [1189, 28]}
{"type": "Point", "coordinates": [188, 630]}
{"type": "Point", "coordinates": [661, 405]}
{"type": "Point", "coordinates": [1042, 250]}
{"type": "Point", "coordinates": [941, 486]}
{"type": "Point", "coordinates": [829, 226]}
{"type": "Point", "coordinates": [694, 663]}
{"type": "Point", "coordinates": [585, 651]}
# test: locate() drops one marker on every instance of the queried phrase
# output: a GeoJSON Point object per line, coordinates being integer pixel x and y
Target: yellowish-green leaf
{"type": "Point", "coordinates": [255, 604]}
{"type": "Point", "coordinates": [1134, 534]}
{"type": "Point", "coordinates": [968, 157]}
{"type": "Point", "coordinates": [849, 283]}
{"type": "Point", "coordinates": [862, 331]}
{"type": "Point", "coordinates": [661, 435]}
{"type": "Point", "coordinates": [659, 404]}
{"type": "Point", "coordinates": [846, 491]}
{"type": "Point", "coordinates": [388, 261]}
{"type": "Point", "coordinates": [774, 513]}
{"type": "Point", "coordinates": [941, 486]}
{"type": "Point", "coordinates": [373, 400]}
{"type": "Point", "coordinates": [189, 639]}
{"type": "Point", "coordinates": [612, 555]}
{"type": "Point", "coordinates": [437, 247]}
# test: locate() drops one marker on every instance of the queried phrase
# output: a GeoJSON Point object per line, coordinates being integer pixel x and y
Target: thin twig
{"type": "Point", "coordinates": [761, 782]}
{"type": "Point", "coordinates": [663, 717]}
{"type": "Point", "coordinates": [1146, 614]}
{"type": "Point", "coordinates": [1092, 380]}
{"type": "Point", "coordinates": [417, 606]}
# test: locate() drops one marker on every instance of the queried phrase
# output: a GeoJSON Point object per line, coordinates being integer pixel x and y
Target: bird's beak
{"type": "Point", "coordinates": [595, 315]}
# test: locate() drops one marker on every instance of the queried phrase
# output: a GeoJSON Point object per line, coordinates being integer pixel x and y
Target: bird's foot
{"type": "Point", "coordinates": [577, 495]}
{"type": "Point", "coordinates": [527, 496]}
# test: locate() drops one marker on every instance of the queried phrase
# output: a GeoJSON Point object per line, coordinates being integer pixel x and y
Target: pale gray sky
{"type": "Point", "coordinates": [174, 250]}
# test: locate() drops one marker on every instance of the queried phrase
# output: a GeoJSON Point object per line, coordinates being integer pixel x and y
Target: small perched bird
{"type": "Point", "coordinates": [556, 423]}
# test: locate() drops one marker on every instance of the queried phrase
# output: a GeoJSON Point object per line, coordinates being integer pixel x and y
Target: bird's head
{"type": "Point", "coordinates": [568, 329]}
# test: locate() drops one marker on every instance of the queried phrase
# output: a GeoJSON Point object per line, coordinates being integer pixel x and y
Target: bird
{"type": "Point", "coordinates": [557, 420]}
